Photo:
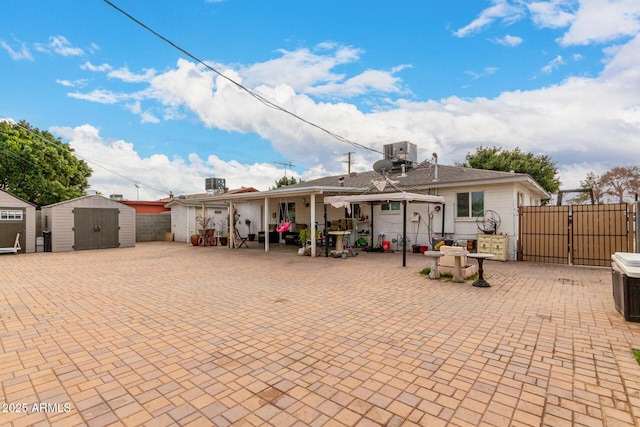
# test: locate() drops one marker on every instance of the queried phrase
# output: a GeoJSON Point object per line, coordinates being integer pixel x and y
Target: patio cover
{"type": "Point", "coordinates": [343, 201]}
{"type": "Point", "coordinates": [372, 198]}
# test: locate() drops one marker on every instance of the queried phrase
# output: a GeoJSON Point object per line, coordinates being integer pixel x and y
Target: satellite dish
{"type": "Point", "coordinates": [383, 165]}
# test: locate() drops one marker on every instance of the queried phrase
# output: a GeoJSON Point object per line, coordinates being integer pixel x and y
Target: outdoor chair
{"type": "Point", "coordinates": [239, 240]}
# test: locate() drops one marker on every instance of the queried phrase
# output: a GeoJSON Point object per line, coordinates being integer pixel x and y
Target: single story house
{"type": "Point", "coordinates": [17, 216]}
{"type": "Point", "coordinates": [473, 200]}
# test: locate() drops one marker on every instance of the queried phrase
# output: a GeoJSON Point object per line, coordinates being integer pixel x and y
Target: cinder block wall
{"type": "Point", "coordinates": [151, 227]}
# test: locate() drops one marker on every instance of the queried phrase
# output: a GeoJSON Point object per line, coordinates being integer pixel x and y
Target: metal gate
{"type": "Point", "coordinates": [95, 228]}
{"type": "Point", "coordinates": [577, 234]}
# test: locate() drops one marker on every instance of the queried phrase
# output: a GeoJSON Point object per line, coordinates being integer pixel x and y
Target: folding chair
{"type": "Point", "coordinates": [239, 240]}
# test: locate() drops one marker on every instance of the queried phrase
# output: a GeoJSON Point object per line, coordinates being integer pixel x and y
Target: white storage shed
{"type": "Point", "coordinates": [89, 222]}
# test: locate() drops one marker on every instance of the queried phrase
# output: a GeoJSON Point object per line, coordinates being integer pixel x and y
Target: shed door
{"type": "Point", "coordinates": [12, 221]}
{"type": "Point", "coordinates": [95, 228]}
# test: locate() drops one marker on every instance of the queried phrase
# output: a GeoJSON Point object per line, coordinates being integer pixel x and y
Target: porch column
{"type": "Point", "coordinates": [232, 215]}
{"type": "Point", "coordinates": [313, 225]}
{"type": "Point", "coordinates": [266, 224]}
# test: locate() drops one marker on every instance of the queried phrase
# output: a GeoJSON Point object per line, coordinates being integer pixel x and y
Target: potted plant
{"type": "Point", "coordinates": [250, 235]}
{"type": "Point", "coordinates": [195, 238]}
{"type": "Point", "coordinates": [203, 221]}
{"type": "Point", "coordinates": [223, 237]}
{"type": "Point", "coordinates": [304, 235]}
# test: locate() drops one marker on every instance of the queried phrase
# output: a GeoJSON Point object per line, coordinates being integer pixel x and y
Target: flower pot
{"type": "Point", "coordinates": [194, 239]}
{"type": "Point", "coordinates": [223, 240]}
{"type": "Point", "coordinates": [251, 237]}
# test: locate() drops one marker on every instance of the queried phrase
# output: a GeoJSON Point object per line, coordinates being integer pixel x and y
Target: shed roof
{"type": "Point", "coordinates": [90, 196]}
{"type": "Point", "coordinates": [26, 203]}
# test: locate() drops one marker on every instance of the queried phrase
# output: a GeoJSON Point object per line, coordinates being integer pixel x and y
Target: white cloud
{"type": "Point", "coordinates": [97, 68]}
{"type": "Point", "coordinates": [367, 82]}
{"type": "Point", "coordinates": [570, 121]}
{"type": "Point", "coordinates": [301, 69]}
{"type": "Point", "coordinates": [17, 55]}
{"type": "Point", "coordinates": [61, 46]}
{"type": "Point", "coordinates": [500, 10]}
{"type": "Point", "coordinates": [117, 167]}
{"type": "Point", "coordinates": [553, 64]}
{"type": "Point", "coordinates": [127, 76]}
{"type": "Point", "coordinates": [100, 96]}
{"type": "Point", "coordinates": [75, 83]}
{"type": "Point", "coordinates": [587, 21]}
{"type": "Point", "coordinates": [553, 14]}
{"type": "Point", "coordinates": [598, 21]}
{"type": "Point", "coordinates": [508, 40]}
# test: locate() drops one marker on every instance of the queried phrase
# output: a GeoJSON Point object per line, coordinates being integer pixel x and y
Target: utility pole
{"type": "Point", "coordinates": [348, 161]}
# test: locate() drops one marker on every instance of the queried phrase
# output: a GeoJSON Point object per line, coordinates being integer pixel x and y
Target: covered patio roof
{"type": "Point", "coordinates": [383, 198]}
{"type": "Point", "coordinates": [372, 198]}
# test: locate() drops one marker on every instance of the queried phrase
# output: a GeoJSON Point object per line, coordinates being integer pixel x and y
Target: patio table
{"type": "Point", "coordinates": [481, 283]}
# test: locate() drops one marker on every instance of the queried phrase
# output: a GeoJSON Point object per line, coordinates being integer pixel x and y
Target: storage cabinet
{"type": "Point", "coordinates": [496, 244]}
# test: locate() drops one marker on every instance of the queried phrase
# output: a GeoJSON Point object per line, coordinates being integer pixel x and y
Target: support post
{"type": "Point", "coordinates": [404, 233]}
{"type": "Point", "coordinates": [266, 224]}
{"type": "Point", "coordinates": [313, 226]}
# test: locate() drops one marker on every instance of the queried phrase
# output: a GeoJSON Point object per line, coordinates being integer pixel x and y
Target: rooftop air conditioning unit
{"type": "Point", "coordinates": [216, 185]}
{"type": "Point", "coordinates": [402, 153]}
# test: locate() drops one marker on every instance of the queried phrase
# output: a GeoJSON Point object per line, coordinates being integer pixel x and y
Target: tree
{"type": "Point", "coordinates": [592, 182]}
{"type": "Point", "coordinates": [621, 183]}
{"type": "Point", "coordinates": [286, 181]}
{"type": "Point", "coordinates": [541, 168]}
{"type": "Point", "coordinates": [37, 167]}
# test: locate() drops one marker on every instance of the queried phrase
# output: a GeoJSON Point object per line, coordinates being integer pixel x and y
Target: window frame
{"type": "Point", "coordinates": [11, 215]}
{"type": "Point", "coordinates": [470, 211]}
{"type": "Point", "coordinates": [390, 208]}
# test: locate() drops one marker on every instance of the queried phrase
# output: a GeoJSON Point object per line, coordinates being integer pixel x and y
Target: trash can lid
{"type": "Point", "coordinates": [628, 258]}
{"type": "Point", "coordinates": [628, 262]}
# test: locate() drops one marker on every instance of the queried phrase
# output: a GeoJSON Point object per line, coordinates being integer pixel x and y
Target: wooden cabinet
{"type": "Point", "coordinates": [496, 244]}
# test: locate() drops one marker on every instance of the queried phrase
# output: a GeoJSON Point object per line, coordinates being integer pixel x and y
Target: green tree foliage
{"type": "Point", "coordinates": [37, 167]}
{"type": "Point", "coordinates": [286, 181]}
{"type": "Point", "coordinates": [541, 168]}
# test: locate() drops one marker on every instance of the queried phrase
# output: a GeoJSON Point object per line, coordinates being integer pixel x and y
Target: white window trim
{"type": "Point", "coordinates": [11, 215]}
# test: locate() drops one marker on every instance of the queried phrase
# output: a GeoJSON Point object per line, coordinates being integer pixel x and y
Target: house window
{"type": "Point", "coordinates": [470, 205]}
{"type": "Point", "coordinates": [392, 207]}
{"type": "Point", "coordinates": [11, 215]}
{"type": "Point", "coordinates": [287, 212]}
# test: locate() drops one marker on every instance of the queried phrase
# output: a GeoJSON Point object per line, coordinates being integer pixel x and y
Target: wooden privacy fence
{"type": "Point", "coordinates": [577, 234]}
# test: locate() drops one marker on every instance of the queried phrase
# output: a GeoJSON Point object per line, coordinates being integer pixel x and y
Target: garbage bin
{"type": "Point", "coordinates": [625, 278]}
{"type": "Point", "coordinates": [47, 240]}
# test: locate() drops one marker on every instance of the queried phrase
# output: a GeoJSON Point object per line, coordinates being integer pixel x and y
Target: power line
{"type": "Point", "coordinates": [256, 95]}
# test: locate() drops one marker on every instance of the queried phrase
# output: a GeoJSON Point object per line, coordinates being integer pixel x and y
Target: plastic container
{"type": "Point", "coordinates": [386, 245]}
{"type": "Point", "coordinates": [625, 278]}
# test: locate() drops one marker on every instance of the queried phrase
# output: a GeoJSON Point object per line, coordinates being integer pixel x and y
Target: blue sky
{"type": "Point", "coordinates": [558, 78]}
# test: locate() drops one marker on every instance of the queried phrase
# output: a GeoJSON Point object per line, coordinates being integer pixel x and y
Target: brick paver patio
{"type": "Point", "coordinates": [169, 334]}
